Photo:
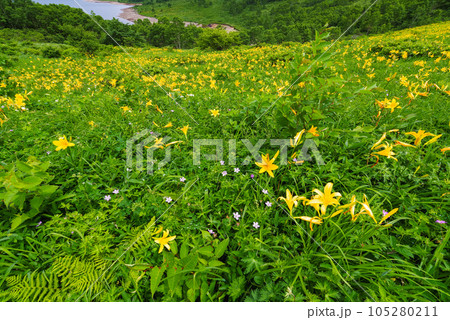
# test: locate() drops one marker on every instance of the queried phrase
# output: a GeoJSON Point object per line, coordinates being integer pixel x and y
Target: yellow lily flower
{"type": "Point", "coordinates": [62, 143]}
{"type": "Point", "coordinates": [313, 220]}
{"type": "Point", "coordinates": [351, 207]}
{"type": "Point", "coordinates": [313, 131]}
{"type": "Point", "coordinates": [432, 140]}
{"type": "Point", "coordinates": [168, 125]}
{"type": "Point", "coordinates": [379, 141]}
{"type": "Point", "coordinates": [392, 105]}
{"type": "Point", "coordinates": [297, 138]}
{"type": "Point", "coordinates": [267, 164]}
{"type": "Point", "coordinates": [125, 109]}
{"type": "Point", "coordinates": [444, 150]}
{"type": "Point", "coordinates": [164, 241]}
{"type": "Point", "coordinates": [419, 135]}
{"type": "Point", "coordinates": [390, 213]}
{"type": "Point", "coordinates": [290, 200]}
{"type": "Point", "coordinates": [173, 142]}
{"type": "Point", "coordinates": [403, 144]}
{"type": "Point", "coordinates": [214, 112]}
{"type": "Point", "coordinates": [366, 209]}
{"type": "Point", "coordinates": [386, 152]}
{"type": "Point", "coordinates": [324, 199]}
{"type": "Point", "coordinates": [158, 144]}
{"type": "Point", "coordinates": [185, 130]}
{"type": "Point", "coordinates": [3, 121]}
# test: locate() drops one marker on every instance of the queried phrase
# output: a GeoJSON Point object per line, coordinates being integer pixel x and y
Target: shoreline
{"type": "Point", "coordinates": [131, 14]}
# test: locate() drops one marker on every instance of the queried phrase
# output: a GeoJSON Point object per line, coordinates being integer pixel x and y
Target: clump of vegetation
{"type": "Point", "coordinates": [332, 182]}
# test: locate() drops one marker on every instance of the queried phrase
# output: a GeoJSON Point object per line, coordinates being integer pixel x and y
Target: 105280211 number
{"type": "Point", "coordinates": [403, 311]}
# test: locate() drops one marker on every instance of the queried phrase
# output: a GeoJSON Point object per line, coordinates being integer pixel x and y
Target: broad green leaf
{"type": "Point", "coordinates": [19, 201]}
{"type": "Point", "coordinates": [215, 263]}
{"type": "Point", "coordinates": [139, 266]}
{"type": "Point", "coordinates": [27, 183]}
{"type": "Point", "coordinates": [190, 262]}
{"type": "Point", "coordinates": [172, 277]}
{"type": "Point", "coordinates": [174, 247]}
{"type": "Point", "coordinates": [36, 203]}
{"type": "Point", "coordinates": [184, 250]}
{"type": "Point", "coordinates": [155, 278]}
{"type": "Point", "coordinates": [17, 221]}
{"type": "Point", "coordinates": [207, 251]}
{"type": "Point", "coordinates": [9, 197]}
{"type": "Point", "coordinates": [23, 167]}
{"type": "Point", "coordinates": [47, 190]}
{"type": "Point", "coordinates": [221, 248]}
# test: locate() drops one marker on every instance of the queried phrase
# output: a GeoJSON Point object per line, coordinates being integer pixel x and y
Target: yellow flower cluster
{"type": "Point", "coordinates": [326, 198]}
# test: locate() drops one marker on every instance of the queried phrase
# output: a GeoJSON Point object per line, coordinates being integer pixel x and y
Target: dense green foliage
{"type": "Point", "coordinates": [262, 21]}
{"type": "Point", "coordinates": [275, 21]}
{"type": "Point", "coordinates": [63, 24]}
{"type": "Point", "coordinates": [80, 224]}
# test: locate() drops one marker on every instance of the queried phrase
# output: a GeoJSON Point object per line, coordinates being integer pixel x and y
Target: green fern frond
{"type": "Point", "coordinates": [77, 275]}
{"type": "Point", "coordinates": [140, 238]}
{"type": "Point", "coordinates": [35, 287]}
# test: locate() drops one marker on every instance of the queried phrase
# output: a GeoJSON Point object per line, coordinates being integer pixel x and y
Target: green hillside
{"type": "Point", "coordinates": [274, 21]}
{"type": "Point", "coordinates": [344, 198]}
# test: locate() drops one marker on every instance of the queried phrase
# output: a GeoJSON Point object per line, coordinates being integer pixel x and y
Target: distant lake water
{"type": "Point", "coordinates": [106, 10]}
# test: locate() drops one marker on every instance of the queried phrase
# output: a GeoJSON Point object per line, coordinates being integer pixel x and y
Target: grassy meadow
{"type": "Point", "coordinates": [364, 220]}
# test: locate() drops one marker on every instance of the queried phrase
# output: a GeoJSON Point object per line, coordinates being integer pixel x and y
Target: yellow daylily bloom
{"type": "Point", "coordinates": [185, 130]}
{"type": "Point", "coordinates": [290, 200]}
{"type": "Point", "coordinates": [432, 140]}
{"type": "Point", "coordinates": [419, 135]}
{"type": "Point", "coordinates": [444, 150]}
{"type": "Point", "coordinates": [351, 207]}
{"type": "Point", "coordinates": [411, 95]}
{"type": "Point", "coordinates": [336, 213]}
{"type": "Point", "coordinates": [386, 152]}
{"type": "Point", "coordinates": [168, 125]}
{"type": "Point", "coordinates": [392, 105]}
{"type": "Point", "coordinates": [158, 144]}
{"type": "Point", "coordinates": [366, 209]}
{"type": "Point", "coordinates": [173, 142]}
{"type": "Point", "coordinates": [297, 138]}
{"type": "Point", "coordinates": [325, 198]}
{"type": "Point", "coordinates": [313, 131]}
{"type": "Point", "coordinates": [164, 241]}
{"type": "Point", "coordinates": [403, 144]}
{"type": "Point", "coordinates": [156, 231]}
{"type": "Point", "coordinates": [313, 220]}
{"type": "Point", "coordinates": [390, 213]}
{"type": "Point", "coordinates": [214, 112]}
{"type": "Point", "coordinates": [158, 109]}
{"type": "Point", "coordinates": [379, 141]}
{"type": "Point", "coordinates": [3, 121]}
{"type": "Point", "coordinates": [125, 109]}
{"type": "Point", "coordinates": [267, 165]}
{"type": "Point", "coordinates": [62, 143]}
